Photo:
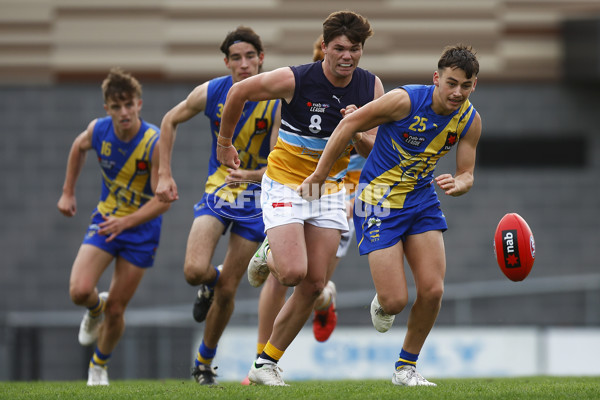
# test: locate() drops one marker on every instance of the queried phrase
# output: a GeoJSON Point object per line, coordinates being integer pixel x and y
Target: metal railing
{"type": "Point", "coordinates": [462, 293]}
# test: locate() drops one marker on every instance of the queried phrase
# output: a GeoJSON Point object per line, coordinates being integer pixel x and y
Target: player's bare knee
{"type": "Point", "coordinates": [438, 293]}
{"type": "Point", "coordinates": [191, 277]}
{"type": "Point", "coordinates": [393, 305]}
{"type": "Point", "coordinates": [432, 294]}
{"type": "Point", "coordinates": [291, 278]}
{"type": "Point", "coordinates": [114, 312]}
{"type": "Point", "coordinates": [319, 287]}
{"type": "Point", "coordinates": [225, 294]}
{"type": "Point", "coordinates": [195, 274]}
{"type": "Point", "coordinates": [80, 294]}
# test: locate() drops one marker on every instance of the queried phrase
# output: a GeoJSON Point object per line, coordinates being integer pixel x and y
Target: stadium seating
{"type": "Point", "coordinates": [45, 42]}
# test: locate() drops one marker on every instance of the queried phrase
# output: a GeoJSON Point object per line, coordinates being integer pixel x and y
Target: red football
{"type": "Point", "coordinates": [514, 247]}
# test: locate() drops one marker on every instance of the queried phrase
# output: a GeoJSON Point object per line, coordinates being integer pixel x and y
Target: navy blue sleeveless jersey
{"type": "Point", "coordinates": [309, 119]}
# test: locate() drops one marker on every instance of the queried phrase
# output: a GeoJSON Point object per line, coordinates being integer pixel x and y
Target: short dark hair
{"type": "Point", "coordinates": [241, 34]}
{"type": "Point", "coordinates": [353, 25]}
{"type": "Point", "coordinates": [460, 56]}
{"type": "Point", "coordinates": [120, 85]}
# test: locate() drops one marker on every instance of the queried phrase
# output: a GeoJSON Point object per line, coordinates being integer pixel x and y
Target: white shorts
{"type": "Point", "coordinates": [281, 205]}
{"type": "Point", "coordinates": [345, 241]}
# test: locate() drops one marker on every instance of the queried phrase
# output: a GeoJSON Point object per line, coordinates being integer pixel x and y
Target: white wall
{"type": "Point", "coordinates": [363, 353]}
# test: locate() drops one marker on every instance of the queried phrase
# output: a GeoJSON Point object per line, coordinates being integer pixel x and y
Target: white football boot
{"type": "Point", "coordinates": [267, 374]}
{"type": "Point", "coordinates": [407, 375]}
{"type": "Point", "coordinates": [258, 271]}
{"type": "Point", "coordinates": [381, 321]}
{"type": "Point", "coordinates": [97, 376]}
{"type": "Point", "coordinates": [89, 327]}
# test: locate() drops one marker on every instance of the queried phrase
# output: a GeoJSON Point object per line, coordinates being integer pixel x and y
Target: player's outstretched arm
{"type": "Point", "coordinates": [166, 189]}
{"type": "Point", "coordinates": [255, 175]}
{"type": "Point", "coordinates": [277, 84]}
{"type": "Point", "coordinates": [390, 107]}
{"type": "Point", "coordinates": [463, 179]}
{"type": "Point", "coordinates": [67, 204]}
{"type": "Point", "coordinates": [363, 141]}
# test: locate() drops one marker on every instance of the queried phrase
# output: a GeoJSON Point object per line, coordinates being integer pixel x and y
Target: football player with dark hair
{"type": "Point", "coordinates": [230, 198]}
{"type": "Point", "coordinates": [397, 213]}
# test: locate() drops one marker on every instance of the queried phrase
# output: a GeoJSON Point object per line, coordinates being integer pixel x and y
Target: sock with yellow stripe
{"type": "Point", "coordinates": [259, 348]}
{"type": "Point", "coordinates": [269, 355]}
{"type": "Point", "coordinates": [100, 359]}
{"type": "Point", "coordinates": [98, 308]}
{"type": "Point", "coordinates": [406, 358]}
{"type": "Point", "coordinates": [205, 355]}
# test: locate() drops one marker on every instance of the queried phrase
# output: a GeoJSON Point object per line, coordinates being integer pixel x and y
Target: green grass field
{"type": "Point", "coordinates": [575, 388]}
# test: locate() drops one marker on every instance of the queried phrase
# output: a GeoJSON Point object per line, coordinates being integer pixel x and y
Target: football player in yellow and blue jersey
{"type": "Point", "coordinates": [125, 226]}
{"type": "Point", "coordinates": [397, 213]}
{"type": "Point", "coordinates": [302, 236]}
{"type": "Point", "coordinates": [231, 198]}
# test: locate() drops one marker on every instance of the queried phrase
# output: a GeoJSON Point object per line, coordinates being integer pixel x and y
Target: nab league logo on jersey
{"type": "Point", "coordinates": [142, 167]}
{"type": "Point", "coordinates": [451, 140]}
{"type": "Point", "coordinates": [412, 140]}
{"type": "Point", "coordinates": [260, 126]}
{"type": "Point", "coordinates": [317, 107]}
{"type": "Point", "coordinates": [106, 163]}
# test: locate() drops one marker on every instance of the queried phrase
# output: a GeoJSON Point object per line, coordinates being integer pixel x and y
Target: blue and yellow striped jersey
{"type": "Point", "coordinates": [251, 137]}
{"type": "Point", "coordinates": [125, 167]}
{"type": "Point", "coordinates": [399, 169]}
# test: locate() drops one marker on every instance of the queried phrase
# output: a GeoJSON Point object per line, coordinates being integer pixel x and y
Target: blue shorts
{"type": "Point", "coordinates": [378, 228]}
{"type": "Point", "coordinates": [244, 216]}
{"type": "Point", "coordinates": [137, 245]}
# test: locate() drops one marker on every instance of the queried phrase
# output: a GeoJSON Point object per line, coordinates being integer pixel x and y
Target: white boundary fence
{"type": "Point", "coordinates": [364, 353]}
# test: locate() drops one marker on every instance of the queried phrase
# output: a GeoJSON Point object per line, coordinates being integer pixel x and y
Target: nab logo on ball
{"type": "Point", "coordinates": [514, 247]}
{"type": "Point", "coordinates": [511, 249]}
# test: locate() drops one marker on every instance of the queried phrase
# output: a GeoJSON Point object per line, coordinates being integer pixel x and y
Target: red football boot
{"type": "Point", "coordinates": [324, 323]}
